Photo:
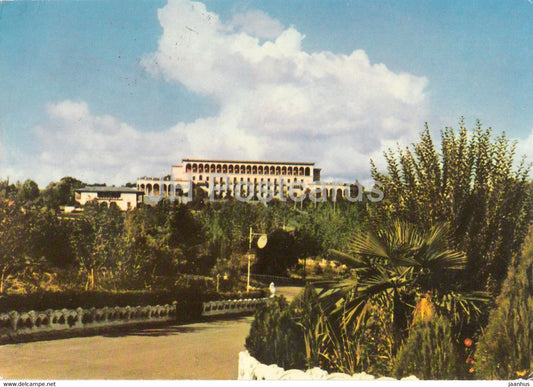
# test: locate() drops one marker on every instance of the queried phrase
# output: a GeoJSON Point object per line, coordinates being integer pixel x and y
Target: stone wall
{"type": "Point", "coordinates": [251, 369]}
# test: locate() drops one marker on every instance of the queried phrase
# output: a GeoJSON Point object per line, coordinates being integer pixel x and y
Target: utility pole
{"type": "Point", "coordinates": [249, 258]}
{"type": "Point", "coordinates": [261, 243]}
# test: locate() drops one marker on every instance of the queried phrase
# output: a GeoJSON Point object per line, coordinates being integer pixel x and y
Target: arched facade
{"type": "Point", "coordinates": [234, 175]}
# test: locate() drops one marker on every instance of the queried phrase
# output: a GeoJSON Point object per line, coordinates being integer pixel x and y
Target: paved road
{"type": "Point", "coordinates": [289, 292]}
{"type": "Point", "coordinates": [205, 350]}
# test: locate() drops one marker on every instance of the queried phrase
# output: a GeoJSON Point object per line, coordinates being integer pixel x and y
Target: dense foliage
{"type": "Point", "coordinates": [426, 290]}
{"type": "Point", "coordinates": [505, 351]}
{"type": "Point", "coordinates": [472, 185]}
{"type": "Point", "coordinates": [429, 352]}
{"type": "Point", "coordinates": [275, 337]}
{"type": "Point", "coordinates": [398, 266]}
{"type": "Point", "coordinates": [152, 248]}
{"type": "Point", "coordinates": [426, 271]}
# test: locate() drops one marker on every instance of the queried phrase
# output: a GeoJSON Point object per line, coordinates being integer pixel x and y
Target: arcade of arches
{"type": "Point", "coordinates": [238, 175]}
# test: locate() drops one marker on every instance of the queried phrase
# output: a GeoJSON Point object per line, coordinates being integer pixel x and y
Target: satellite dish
{"type": "Point", "coordinates": [262, 241]}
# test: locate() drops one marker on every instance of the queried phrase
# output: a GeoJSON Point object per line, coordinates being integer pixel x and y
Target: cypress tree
{"type": "Point", "coordinates": [429, 352]}
{"type": "Point", "coordinates": [505, 351]}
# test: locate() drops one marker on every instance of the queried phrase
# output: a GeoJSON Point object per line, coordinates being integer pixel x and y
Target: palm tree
{"type": "Point", "coordinates": [398, 266]}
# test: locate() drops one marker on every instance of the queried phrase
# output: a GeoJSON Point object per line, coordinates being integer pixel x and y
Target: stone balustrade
{"type": "Point", "coordinates": [54, 320]}
{"type": "Point", "coordinates": [216, 308]}
{"type": "Point", "coordinates": [251, 369]}
{"type": "Point", "coordinates": [14, 323]}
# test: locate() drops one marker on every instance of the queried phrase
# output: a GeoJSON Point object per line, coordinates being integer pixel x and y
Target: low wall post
{"type": "Point", "coordinates": [13, 320]}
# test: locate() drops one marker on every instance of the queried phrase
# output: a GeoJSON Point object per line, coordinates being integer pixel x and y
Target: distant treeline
{"type": "Point", "coordinates": [153, 247]}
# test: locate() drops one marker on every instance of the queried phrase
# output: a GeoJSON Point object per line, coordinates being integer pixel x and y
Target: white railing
{"type": "Point", "coordinates": [15, 323]}
{"type": "Point", "coordinates": [53, 320]}
{"type": "Point", "coordinates": [251, 369]}
{"type": "Point", "coordinates": [215, 308]}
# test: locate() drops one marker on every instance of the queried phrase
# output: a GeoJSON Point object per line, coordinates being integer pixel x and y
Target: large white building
{"type": "Point", "coordinates": [223, 178]}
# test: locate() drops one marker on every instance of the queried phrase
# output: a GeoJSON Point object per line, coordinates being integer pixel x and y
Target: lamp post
{"type": "Point", "coordinates": [260, 243]}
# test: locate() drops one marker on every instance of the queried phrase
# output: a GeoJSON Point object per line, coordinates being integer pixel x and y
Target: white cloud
{"type": "Point", "coordinates": [258, 24]}
{"type": "Point", "coordinates": [278, 101]}
{"type": "Point", "coordinates": [97, 148]}
{"type": "Point", "coordinates": [525, 148]}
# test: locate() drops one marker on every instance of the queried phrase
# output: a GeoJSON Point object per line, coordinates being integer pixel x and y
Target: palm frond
{"type": "Point", "coordinates": [463, 306]}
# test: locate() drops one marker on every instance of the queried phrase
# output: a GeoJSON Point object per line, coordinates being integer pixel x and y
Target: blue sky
{"type": "Point", "coordinates": [108, 91]}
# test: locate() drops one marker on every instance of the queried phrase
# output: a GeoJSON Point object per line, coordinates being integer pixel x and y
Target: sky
{"type": "Point", "coordinates": [109, 91]}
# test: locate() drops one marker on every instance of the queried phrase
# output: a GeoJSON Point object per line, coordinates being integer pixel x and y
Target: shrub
{"type": "Point", "coordinates": [505, 351]}
{"type": "Point", "coordinates": [301, 335]}
{"type": "Point", "coordinates": [429, 352]}
{"type": "Point", "coordinates": [275, 337]}
{"type": "Point", "coordinates": [74, 299]}
{"type": "Point", "coordinates": [366, 345]}
{"type": "Point", "coordinates": [307, 312]}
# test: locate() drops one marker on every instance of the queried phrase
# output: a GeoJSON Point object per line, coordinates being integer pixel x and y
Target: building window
{"type": "Point", "coordinates": [108, 195]}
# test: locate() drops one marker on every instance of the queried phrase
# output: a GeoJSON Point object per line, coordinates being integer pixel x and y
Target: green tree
{"type": "Point", "coordinates": [429, 352]}
{"type": "Point", "coordinates": [184, 228]}
{"type": "Point", "coordinates": [278, 255]}
{"type": "Point", "coordinates": [13, 223]}
{"type": "Point", "coordinates": [471, 184]}
{"type": "Point", "coordinates": [275, 337]}
{"type": "Point", "coordinates": [94, 239]}
{"type": "Point", "coordinates": [29, 191]}
{"type": "Point", "coordinates": [48, 238]}
{"type": "Point", "coordinates": [62, 193]}
{"type": "Point", "coordinates": [505, 350]}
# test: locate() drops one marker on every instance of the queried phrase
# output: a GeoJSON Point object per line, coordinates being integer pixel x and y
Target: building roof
{"type": "Point", "coordinates": [109, 189]}
{"type": "Point", "coordinates": [246, 162]}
